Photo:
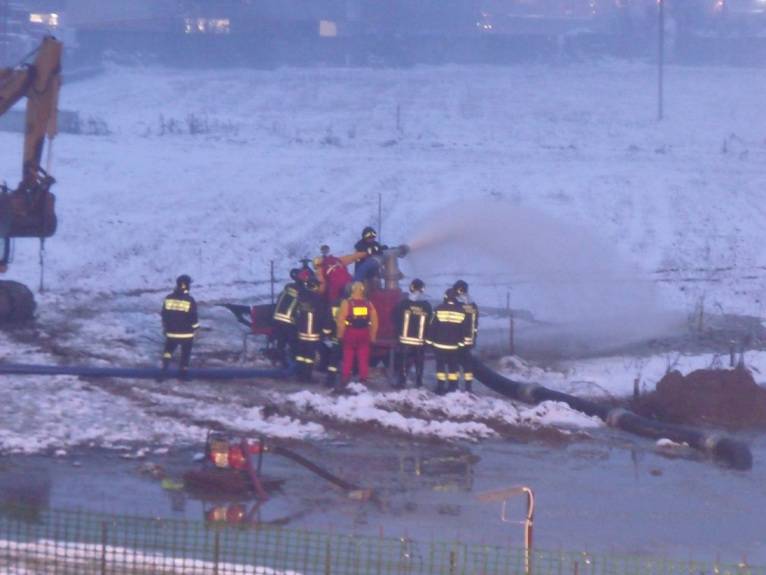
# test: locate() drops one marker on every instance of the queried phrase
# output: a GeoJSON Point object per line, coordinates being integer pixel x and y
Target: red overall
{"type": "Point", "coordinates": [336, 277]}
{"type": "Point", "coordinates": [356, 340]}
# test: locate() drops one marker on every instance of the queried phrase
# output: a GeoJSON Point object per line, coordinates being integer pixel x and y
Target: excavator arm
{"type": "Point", "coordinates": [29, 210]}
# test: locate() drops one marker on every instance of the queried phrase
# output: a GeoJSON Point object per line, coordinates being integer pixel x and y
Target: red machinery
{"type": "Point", "coordinates": [234, 465]}
{"type": "Point", "coordinates": [384, 296]}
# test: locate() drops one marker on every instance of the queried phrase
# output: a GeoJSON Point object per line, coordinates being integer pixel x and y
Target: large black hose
{"type": "Point", "coordinates": [204, 373]}
{"type": "Point", "coordinates": [721, 448]}
{"type": "Point", "coordinates": [311, 466]}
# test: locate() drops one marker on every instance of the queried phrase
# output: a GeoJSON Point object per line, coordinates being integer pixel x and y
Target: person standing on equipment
{"type": "Point", "coordinates": [470, 332]}
{"type": "Point", "coordinates": [367, 268]}
{"type": "Point", "coordinates": [179, 322]}
{"type": "Point", "coordinates": [332, 273]}
{"type": "Point", "coordinates": [357, 329]}
{"type": "Point", "coordinates": [411, 318]}
{"type": "Point", "coordinates": [446, 336]}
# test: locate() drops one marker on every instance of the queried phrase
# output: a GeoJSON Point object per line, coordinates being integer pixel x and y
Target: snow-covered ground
{"type": "Point", "coordinates": [550, 187]}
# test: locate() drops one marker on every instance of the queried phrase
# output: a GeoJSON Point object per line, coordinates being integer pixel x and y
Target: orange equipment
{"type": "Point", "coordinates": [28, 211]}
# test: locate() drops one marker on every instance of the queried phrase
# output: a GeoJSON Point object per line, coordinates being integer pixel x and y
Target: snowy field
{"type": "Point", "coordinates": [553, 188]}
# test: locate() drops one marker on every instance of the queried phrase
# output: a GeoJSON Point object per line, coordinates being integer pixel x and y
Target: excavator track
{"type": "Point", "coordinates": [17, 303]}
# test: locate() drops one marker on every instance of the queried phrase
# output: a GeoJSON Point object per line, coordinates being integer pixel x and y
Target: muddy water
{"type": "Point", "coordinates": [614, 494]}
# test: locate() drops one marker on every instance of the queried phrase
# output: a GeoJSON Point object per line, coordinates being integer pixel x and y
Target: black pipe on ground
{"type": "Point", "coordinates": [204, 373]}
{"type": "Point", "coordinates": [723, 449]}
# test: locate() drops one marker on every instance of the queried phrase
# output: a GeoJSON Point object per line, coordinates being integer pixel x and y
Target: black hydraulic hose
{"type": "Point", "coordinates": [203, 373]}
{"type": "Point", "coordinates": [320, 471]}
{"type": "Point", "coordinates": [721, 448]}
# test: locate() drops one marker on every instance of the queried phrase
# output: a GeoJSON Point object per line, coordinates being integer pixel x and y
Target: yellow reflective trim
{"type": "Point", "coordinates": [452, 376]}
{"type": "Point", "coordinates": [177, 305]}
{"type": "Point", "coordinates": [444, 346]}
{"type": "Point", "coordinates": [359, 311]}
{"type": "Point", "coordinates": [411, 341]}
{"type": "Point", "coordinates": [179, 335]}
{"type": "Point", "coordinates": [450, 316]}
{"type": "Point", "coordinates": [468, 376]}
{"type": "Point", "coordinates": [441, 376]}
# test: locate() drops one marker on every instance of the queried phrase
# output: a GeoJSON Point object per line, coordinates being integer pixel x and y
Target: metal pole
{"type": "Point", "coordinates": [4, 33]}
{"type": "Point", "coordinates": [660, 57]}
{"type": "Point", "coordinates": [271, 279]}
{"type": "Point", "coordinates": [380, 217]}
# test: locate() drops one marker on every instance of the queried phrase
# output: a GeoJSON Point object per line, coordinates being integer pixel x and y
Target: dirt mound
{"type": "Point", "coordinates": [727, 398]}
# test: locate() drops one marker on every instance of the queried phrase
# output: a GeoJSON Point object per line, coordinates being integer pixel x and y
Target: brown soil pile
{"type": "Point", "coordinates": [727, 398]}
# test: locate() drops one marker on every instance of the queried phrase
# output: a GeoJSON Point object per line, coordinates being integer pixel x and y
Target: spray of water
{"type": "Point", "coordinates": [560, 272]}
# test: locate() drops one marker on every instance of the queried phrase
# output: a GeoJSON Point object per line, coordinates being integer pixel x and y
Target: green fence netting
{"type": "Point", "coordinates": [81, 543]}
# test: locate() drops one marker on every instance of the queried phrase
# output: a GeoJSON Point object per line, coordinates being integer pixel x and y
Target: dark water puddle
{"type": "Point", "coordinates": [616, 494]}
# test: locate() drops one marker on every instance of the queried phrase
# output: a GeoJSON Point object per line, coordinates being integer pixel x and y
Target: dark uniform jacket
{"type": "Point", "coordinates": [446, 331]}
{"type": "Point", "coordinates": [411, 319]}
{"type": "Point", "coordinates": [471, 325]}
{"type": "Point", "coordinates": [369, 247]}
{"type": "Point", "coordinates": [309, 316]}
{"type": "Point", "coordinates": [284, 310]}
{"type": "Point", "coordinates": [179, 315]}
{"type": "Point", "coordinates": [329, 322]}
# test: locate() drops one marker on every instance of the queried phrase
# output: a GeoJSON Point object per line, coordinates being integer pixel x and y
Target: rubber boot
{"type": "Point", "coordinates": [331, 378]}
{"type": "Point", "coordinates": [469, 387]}
{"type": "Point", "coordinates": [440, 388]}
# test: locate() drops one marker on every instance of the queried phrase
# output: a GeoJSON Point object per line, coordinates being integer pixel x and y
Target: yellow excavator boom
{"type": "Point", "coordinates": [29, 210]}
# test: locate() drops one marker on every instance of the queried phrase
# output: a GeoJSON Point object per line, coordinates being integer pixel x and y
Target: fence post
{"type": "Point", "coordinates": [452, 562]}
{"type": "Point", "coordinates": [103, 547]}
{"type": "Point", "coordinates": [216, 551]}
{"type": "Point", "coordinates": [327, 563]}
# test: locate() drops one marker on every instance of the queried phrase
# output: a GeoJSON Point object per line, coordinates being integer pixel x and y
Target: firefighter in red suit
{"type": "Point", "coordinates": [357, 324]}
{"type": "Point", "coordinates": [333, 274]}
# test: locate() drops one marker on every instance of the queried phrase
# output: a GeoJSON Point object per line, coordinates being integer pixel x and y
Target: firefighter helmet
{"type": "Point", "coordinates": [183, 281]}
{"type": "Point", "coordinates": [369, 233]}
{"type": "Point", "coordinates": [450, 295]}
{"type": "Point", "coordinates": [417, 285]}
{"type": "Point", "coordinates": [312, 284]}
{"type": "Point", "coordinates": [294, 274]}
{"type": "Point", "coordinates": [460, 287]}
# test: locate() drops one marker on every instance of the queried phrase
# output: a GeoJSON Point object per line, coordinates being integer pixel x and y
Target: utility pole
{"type": "Point", "coordinates": [4, 32]}
{"type": "Point", "coordinates": [660, 57]}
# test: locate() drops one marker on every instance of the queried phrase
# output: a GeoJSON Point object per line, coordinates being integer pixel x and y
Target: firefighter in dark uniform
{"type": "Point", "coordinates": [367, 268]}
{"type": "Point", "coordinates": [330, 350]}
{"type": "Point", "coordinates": [308, 324]}
{"type": "Point", "coordinates": [470, 331]}
{"type": "Point", "coordinates": [411, 318]}
{"type": "Point", "coordinates": [179, 322]}
{"type": "Point", "coordinates": [446, 336]}
{"type": "Point", "coordinates": [283, 318]}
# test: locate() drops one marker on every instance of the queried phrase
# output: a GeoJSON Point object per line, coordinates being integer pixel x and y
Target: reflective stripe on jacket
{"type": "Point", "coordinates": [179, 315]}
